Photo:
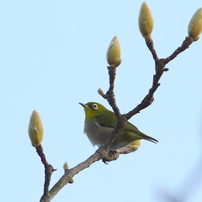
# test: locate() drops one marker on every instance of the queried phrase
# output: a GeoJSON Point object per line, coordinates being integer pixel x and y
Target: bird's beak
{"type": "Point", "coordinates": [84, 105]}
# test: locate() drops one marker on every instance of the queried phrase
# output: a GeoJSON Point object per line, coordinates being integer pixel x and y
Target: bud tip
{"type": "Point", "coordinates": [114, 53]}
{"type": "Point", "coordinates": [35, 129]}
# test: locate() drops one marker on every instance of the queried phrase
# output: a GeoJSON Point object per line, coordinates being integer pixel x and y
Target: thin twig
{"type": "Point", "coordinates": [159, 70]}
{"type": "Point", "coordinates": [48, 169]}
{"type": "Point", "coordinates": [186, 43]}
{"type": "Point", "coordinates": [110, 96]}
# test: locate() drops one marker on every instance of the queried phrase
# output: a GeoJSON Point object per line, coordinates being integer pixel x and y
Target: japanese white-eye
{"type": "Point", "coordinates": [100, 122]}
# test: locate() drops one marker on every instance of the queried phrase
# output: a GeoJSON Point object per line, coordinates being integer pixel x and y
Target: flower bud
{"type": "Point", "coordinates": [35, 129]}
{"type": "Point", "coordinates": [195, 25]}
{"type": "Point", "coordinates": [114, 53]}
{"type": "Point", "coordinates": [66, 166]}
{"type": "Point", "coordinates": [146, 22]}
{"type": "Point", "coordinates": [101, 92]}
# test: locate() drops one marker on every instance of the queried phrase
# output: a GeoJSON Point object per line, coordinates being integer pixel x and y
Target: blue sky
{"type": "Point", "coordinates": [53, 55]}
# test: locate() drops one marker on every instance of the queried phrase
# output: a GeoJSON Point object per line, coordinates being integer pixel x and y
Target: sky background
{"type": "Point", "coordinates": [53, 56]}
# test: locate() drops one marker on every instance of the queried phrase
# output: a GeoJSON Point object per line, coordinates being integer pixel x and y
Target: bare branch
{"type": "Point", "coordinates": [69, 174]}
{"type": "Point", "coordinates": [48, 169]}
{"type": "Point", "coordinates": [186, 43]}
{"type": "Point", "coordinates": [159, 70]}
{"type": "Point", "coordinates": [104, 152]}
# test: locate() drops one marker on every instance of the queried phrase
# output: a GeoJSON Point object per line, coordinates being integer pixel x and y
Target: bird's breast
{"type": "Point", "coordinates": [96, 134]}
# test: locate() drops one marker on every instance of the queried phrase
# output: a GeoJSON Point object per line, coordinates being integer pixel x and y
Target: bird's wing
{"type": "Point", "coordinates": [131, 129]}
{"type": "Point", "coordinates": [108, 119]}
{"type": "Point", "coordinates": [129, 126]}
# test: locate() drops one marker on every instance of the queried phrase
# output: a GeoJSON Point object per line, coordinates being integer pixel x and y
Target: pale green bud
{"type": "Point", "coordinates": [114, 53]}
{"type": "Point", "coordinates": [146, 22]}
{"type": "Point", "coordinates": [195, 25]}
{"type": "Point", "coordinates": [35, 129]}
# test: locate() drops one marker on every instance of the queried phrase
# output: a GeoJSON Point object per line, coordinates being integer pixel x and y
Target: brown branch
{"type": "Point", "coordinates": [150, 45]}
{"type": "Point", "coordinates": [186, 43]}
{"type": "Point", "coordinates": [149, 98]}
{"type": "Point", "coordinates": [48, 169]}
{"type": "Point", "coordinates": [159, 70]}
{"type": "Point", "coordinates": [69, 174]}
{"type": "Point", "coordinates": [103, 152]}
{"type": "Point", "coordinates": [110, 96]}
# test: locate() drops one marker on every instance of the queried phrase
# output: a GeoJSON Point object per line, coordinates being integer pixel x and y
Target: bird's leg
{"type": "Point", "coordinates": [112, 156]}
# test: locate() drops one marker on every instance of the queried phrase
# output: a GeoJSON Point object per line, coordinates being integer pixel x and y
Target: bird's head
{"type": "Point", "coordinates": [92, 109]}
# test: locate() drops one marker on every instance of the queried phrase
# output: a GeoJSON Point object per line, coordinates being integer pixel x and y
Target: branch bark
{"type": "Point", "coordinates": [103, 152]}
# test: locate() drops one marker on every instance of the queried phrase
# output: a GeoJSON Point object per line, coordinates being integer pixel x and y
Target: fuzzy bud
{"type": "Point", "coordinates": [195, 25]}
{"type": "Point", "coordinates": [35, 129]}
{"type": "Point", "coordinates": [101, 92]}
{"type": "Point", "coordinates": [65, 166]}
{"type": "Point", "coordinates": [114, 53]}
{"type": "Point", "coordinates": [146, 22]}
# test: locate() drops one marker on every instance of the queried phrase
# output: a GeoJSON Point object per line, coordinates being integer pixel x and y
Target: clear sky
{"type": "Point", "coordinates": [53, 55]}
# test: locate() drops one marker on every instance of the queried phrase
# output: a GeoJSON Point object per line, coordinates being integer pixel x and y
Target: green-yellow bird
{"type": "Point", "coordinates": [100, 122]}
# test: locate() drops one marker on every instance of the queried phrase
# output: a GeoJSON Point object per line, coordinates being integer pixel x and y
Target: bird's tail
{"type": "Point", "coordinates": [146, 137]}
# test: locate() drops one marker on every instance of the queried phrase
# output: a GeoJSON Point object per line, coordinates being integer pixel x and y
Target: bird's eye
{"type": "Point", "coordinates": [95, 106]}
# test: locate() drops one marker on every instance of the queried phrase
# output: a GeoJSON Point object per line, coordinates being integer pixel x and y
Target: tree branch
{"type": "Point", "coordinates": [48, 169]}
{"type": "Point", "coordinates": [103, 152]}
{"type": "Point", "coordinates": [159, 70]}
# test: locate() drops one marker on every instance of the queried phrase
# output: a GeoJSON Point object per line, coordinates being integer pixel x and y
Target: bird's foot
{"type": "Point", "coordinates": [112, 156]}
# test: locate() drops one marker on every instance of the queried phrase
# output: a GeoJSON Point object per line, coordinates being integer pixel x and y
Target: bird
{"type": "Point", "coordinates": [99, 124]}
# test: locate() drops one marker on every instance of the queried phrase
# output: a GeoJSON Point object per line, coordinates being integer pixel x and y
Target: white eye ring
{"type": "Point", "coordinates": [95, 106]}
